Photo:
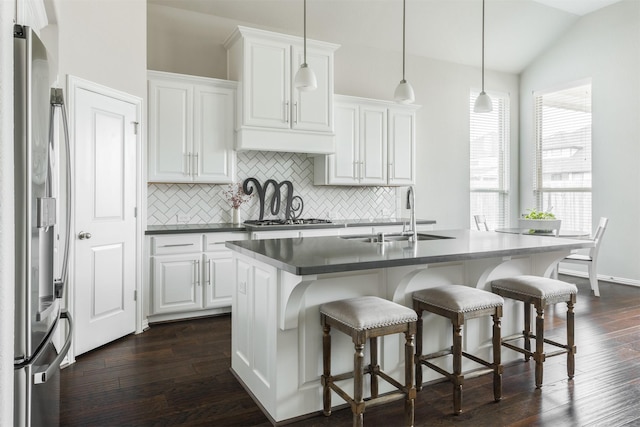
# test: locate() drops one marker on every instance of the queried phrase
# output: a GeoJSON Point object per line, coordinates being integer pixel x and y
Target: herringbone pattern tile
{"type": "Point", "coordinates": [205, 203]}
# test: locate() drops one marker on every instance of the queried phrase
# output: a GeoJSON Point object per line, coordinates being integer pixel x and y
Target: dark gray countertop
{"type": "Point", "coordinates": [318, 255]}
{"type": "Point", "coordinates": [226, 227]}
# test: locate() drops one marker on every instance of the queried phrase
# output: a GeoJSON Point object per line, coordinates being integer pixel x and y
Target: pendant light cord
{"type": "Point", "coordinates": [404, 2]}
{"type": "Point", "coordinates": [483, 46]}
{"type": "Point", "coordinates": [304, 20]}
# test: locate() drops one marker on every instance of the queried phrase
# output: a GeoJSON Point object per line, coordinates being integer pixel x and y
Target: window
{"type": "Point", "coordinates": [563, 155]}
{"type": "Point", "coordinates": [489, 161]}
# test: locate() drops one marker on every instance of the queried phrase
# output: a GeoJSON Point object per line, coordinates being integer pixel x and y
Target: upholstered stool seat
{"type": "Point", "coordinates": [367, 318]}
{"type": "Point", "coordinates": [459, 303]}
{"type": "Point", "coordinates": [540, 291]}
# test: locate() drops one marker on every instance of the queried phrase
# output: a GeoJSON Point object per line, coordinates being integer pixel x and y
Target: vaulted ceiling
{"type": "Point", "coordinates": [516, 30]}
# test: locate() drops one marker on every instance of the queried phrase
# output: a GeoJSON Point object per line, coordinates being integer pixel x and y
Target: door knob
{"type": "Point", "coordinates": [84, 235]}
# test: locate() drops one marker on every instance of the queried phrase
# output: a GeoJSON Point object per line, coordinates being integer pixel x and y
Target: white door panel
{"type": "Point", "coordinates": [105, 224]}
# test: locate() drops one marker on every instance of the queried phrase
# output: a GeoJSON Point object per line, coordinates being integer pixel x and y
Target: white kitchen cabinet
{"type": "Point", "coordinates": [272, 114]}
{"type": "Point", "coordinates": [176, 283]}
{"type": "Point", "coordinates": [375, 144]}
{"type": "Point", "coordinates": [218, 269]}
{"type": "Point", "coordinates": [401, 145]}
{"type": "Point", "coordinates": [190, 274]}
{"type": "Point", "coordinates": [191, 129]}
{"type": "Point", "coordinates": [176, 264]}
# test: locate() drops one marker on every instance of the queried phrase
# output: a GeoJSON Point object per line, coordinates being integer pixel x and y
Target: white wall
{"type": "Point", "coordinates": [604, 46]}
{"type": "Point", "coordinates": [104, 42]}
{"type": "Point", "coordinates": [176, 43]}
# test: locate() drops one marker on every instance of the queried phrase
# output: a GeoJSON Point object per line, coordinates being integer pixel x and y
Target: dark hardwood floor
{"type": "Point", "coordinates": [177, 374]}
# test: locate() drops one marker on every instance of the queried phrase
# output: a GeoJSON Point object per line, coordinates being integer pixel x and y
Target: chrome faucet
{"type": "Point", "coordinates": [411, 204]}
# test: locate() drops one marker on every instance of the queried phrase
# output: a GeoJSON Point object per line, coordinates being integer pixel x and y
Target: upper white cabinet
{"type": "Point", "coordinates": [272, 114]}
{"type": "Point", "coordinates": [401, 145]}
{"type": "Point", "coordinates": [375, 144]}
{"type": "Point", "coordinates": [191, 129]}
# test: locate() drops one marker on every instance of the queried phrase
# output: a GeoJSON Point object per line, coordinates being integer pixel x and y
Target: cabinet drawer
{"type": "Point", "coordinates": [216, 241]}
{"type": "Point", "coordinates": [178, 244]}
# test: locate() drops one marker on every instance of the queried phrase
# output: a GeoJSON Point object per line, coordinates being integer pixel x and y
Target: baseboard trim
{"type": "Point", "coordinates": [603, 277]}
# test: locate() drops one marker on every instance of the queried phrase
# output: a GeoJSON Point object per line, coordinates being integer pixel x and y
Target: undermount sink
{"type": "Point", "coordinates": [391, 237]}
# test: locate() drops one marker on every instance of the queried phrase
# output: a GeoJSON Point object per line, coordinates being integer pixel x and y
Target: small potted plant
{"type": "Point", "coordinates": [539, 221]}
{"type": "Point", "coordinates": [236, 196]}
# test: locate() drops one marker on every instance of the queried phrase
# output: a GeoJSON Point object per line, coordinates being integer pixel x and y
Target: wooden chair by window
{"type": "Point", "coordinates": [590, 259]}
{"type": "Point", "coordinates": [481, 222]}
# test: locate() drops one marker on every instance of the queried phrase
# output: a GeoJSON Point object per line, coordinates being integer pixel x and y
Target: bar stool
{"type": "Point", "coordinates": [367, 318]}
{"type": "Point", "coordinates": [459, 303]}
{"type": "Point", "coordinates": [540, 291]}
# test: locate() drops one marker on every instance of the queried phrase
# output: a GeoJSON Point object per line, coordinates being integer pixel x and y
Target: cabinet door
{"type": "Point", "coordinates": [218, 279]}
{"type": "Point", "coordinates": [312, 110]}
{"type": "Point", "coordinates": [176, 283]}
{"type": "Point", "coordinates": [266, 85]}
{"type": "Point", "coordinates": [373, 145]}
{"type": "Point", "coordinates": [343, 166]}
{"type": "Point", "coordinates": [170, 131]}
{"type": "Point", "coordinates": [213, 141]}
{"type": "Point", "coordinates": [401, 147]}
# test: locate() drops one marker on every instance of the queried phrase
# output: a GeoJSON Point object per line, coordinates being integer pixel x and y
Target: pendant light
{"type": "Point", "coordinates": [404, 92]}
{"type": "Point", "coordinates": [305, 79]}
{"type": "Point", "coordinates": [483, 102]}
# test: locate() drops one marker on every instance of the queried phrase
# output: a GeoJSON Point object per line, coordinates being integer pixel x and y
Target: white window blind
{"type": "Point", "coordinates": [563, 155]}
{"type": "Point", "coordinates": [489, 161]}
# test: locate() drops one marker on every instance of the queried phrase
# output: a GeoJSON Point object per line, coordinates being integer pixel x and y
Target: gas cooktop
{"type": "Point", "coordinates": [297, 221]}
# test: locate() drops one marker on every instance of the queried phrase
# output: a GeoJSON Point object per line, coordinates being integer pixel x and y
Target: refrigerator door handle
{"type": "Point", "coordinates": [42, 377]}
{"type": "Point", "coordinates": [57, 101]}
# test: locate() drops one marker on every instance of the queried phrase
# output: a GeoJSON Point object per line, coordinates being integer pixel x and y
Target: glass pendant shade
{"type": "Point", "coordinates": [305, 79]}
{"type": "Point", "coordinates": [483, 103]}
{"type": "Point", "coordinates": [404, 93]}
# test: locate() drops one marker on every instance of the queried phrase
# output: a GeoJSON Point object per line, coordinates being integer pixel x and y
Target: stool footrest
{"type": "Point", "coordinates": [437, 354]}
{"type": "Point", "coordinates": [478, 360]}
{"type": "Point", "coordinates": [506, 343]}
{"type": "Point", "coordinates": [439, 370]}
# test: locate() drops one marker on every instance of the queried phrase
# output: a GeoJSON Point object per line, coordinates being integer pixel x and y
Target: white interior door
{"type": "Point", "coordinates": [105, 226]}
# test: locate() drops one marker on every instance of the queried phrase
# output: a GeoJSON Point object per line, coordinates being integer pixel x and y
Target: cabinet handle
{"type": "Point", "coordinates": [361, 170]}
{"type": "Point", "coordinates": [195, 165]}
{"type": "Point", "coordinates": [390, 171]}
{"type": "Point", "coordinates": [189, 163]}
{"type": "Point", "coordinates": [355, 170]}
{"type": "Point", "coordinates": [208, 279]}
{"type": "Point", "coordinates": [197, 265]}
{"type": "Point", "coordinates": [286, 112]}
{"type": "Point", "coordinates": [175, 245]}
{"type": "Point", "coordinates": [295, 109]}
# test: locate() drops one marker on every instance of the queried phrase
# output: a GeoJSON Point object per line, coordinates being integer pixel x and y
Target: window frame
{"type": "Point", "coordinates": [501, 100]}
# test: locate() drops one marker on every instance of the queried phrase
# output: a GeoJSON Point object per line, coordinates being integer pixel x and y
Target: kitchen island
{"type": "Point", "coordinates": [280, 284]}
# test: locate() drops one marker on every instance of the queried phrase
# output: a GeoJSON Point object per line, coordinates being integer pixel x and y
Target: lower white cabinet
{"type": "Point", "coordinates": [176, 283]}
{"type": "Point", "coordinates": [191, 274]}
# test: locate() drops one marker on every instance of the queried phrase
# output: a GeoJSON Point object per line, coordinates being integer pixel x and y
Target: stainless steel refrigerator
{"type": "Point", "coordinates": [41, 239]}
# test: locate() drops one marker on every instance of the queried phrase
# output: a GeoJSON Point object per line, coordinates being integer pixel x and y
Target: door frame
{"type": "Point", "coordinates": [73, 85]}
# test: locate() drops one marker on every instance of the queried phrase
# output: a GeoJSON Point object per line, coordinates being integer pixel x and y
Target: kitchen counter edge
{"type": "Point", "coordinates": [228, 227]}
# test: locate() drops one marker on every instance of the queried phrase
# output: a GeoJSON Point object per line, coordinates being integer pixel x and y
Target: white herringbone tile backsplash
{"type": "Point", "coordinates": [205, 203]}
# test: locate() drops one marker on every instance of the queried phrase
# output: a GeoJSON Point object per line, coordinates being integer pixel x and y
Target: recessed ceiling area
{"type": "Point", "coordinates": [517, 31]}
{"type": "Point", "coordinates": [578, 7]}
